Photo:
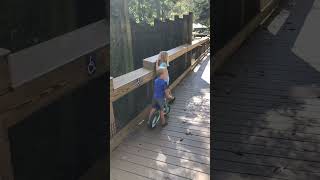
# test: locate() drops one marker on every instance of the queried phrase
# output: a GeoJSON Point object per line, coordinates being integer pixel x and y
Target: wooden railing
{"type": "Point", "coordinates": [122, 85]}
{"type": "Point", "coordinates": [35, 77]}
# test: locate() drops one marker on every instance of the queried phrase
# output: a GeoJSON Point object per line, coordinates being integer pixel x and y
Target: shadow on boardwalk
{"type": "Point", "coordinates": [181, 150]}
{"type": "Point", "coordinates": [267, 100]}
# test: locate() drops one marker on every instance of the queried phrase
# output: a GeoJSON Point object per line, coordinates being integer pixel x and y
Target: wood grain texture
{"type": "Point", "coordinates": [33, 62]}
{"type": "Point", "coordinates": [266, 102]}
{"type": "Point", "coordinates": [18, 104]}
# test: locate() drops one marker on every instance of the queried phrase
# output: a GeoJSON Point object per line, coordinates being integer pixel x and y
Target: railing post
{"type": "Point", "coordinates": [6, 171]}
{"type": "Point", "coordinates": [190, 22]}
{"type": "Point", "coordinates": [112, 118]}
{"type": "Point", "coordinates": [4, 71]}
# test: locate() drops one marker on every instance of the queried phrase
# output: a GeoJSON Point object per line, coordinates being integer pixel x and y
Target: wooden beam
{"type": "Point", "coordinates": [26, 99]}
{"type": "Point", "coordinates": [31, 63]}
{"type": "Point", "coordinates": [224, 53]}
{"type": "Point", "coordinates": [6, 169]}
{"type": "Point", "coordinates": [126, 83]}
{"type": "Point", "coordinates": [149, 63]}
{"type": "Point", "coordinates": [113, 128]}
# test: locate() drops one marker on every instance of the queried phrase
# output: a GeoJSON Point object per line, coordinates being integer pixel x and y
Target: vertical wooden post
{"type": "Point", "coordinates": [157, 33]}
{"type": "Point", "coordinates": [190, 22]}
{"type": "Point", "coordinates": [176, 30]}
{"type": "Point", "coordinates": [6, 169]}
{"type": "Point", "coordinates": [112, 119]}
{"type": "Point", "coordinates": [4, 71]}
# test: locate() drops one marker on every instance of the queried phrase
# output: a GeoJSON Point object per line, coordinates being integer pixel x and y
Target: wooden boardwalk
{"type": "Point", "coordinates": [267, 100]}
{"type": "Point", "coordinates": [181, 150]}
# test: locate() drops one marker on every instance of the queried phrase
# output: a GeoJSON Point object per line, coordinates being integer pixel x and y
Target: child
{"type": "Point", "coordinates": [160, 88]}
{"type": "Point", "coordinates": [162, 63]}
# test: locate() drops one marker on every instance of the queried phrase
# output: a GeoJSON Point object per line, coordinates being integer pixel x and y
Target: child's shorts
{"type": "Point", "coordinates": [158, 103]}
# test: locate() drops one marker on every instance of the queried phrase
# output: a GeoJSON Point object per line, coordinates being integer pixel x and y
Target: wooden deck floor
{"type": "Point", "coordinates": [181, 150]}
{"type": "Point", "coordinates": [267, 101]}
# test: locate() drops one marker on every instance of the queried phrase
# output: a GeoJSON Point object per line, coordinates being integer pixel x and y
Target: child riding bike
{"type": "Point", "coordinates": [163, 63]}
{"type": "Point", "coordinates": [160, 91]}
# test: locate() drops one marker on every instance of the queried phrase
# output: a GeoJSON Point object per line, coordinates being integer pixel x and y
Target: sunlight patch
{"type": "Point", "coordinates": [275, 26]}
{"type": "Point", "coordinates": [206, 73]}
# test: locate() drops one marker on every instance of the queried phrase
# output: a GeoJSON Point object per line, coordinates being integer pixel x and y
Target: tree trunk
{"type": "Point", "coordinates": [121, 40]}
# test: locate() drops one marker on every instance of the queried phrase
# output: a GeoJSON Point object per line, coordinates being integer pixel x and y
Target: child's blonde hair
{"type": "Point", "coordinates": [159, 72]}
{"type": "Point", "coordinates": [163, 56]}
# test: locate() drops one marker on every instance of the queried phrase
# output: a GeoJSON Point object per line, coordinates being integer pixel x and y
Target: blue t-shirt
{"type": "Point", "coordinates": [160, 86]}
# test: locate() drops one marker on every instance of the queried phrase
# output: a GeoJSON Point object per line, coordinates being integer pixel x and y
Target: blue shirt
{"type": "Point", "coordinates": [160, 86]}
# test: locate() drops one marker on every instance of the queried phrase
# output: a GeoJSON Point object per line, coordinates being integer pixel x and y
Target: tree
{"type": "Point", "coordinates": [147, 10]}
{"type": "Point", "coordinates": [120, 36]}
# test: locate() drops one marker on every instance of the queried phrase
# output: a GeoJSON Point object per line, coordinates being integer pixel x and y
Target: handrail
{"type": "Point", "coordinates": [124, 84]}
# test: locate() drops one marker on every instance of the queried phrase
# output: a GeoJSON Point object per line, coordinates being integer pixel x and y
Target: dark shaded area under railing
{"type": "Point", "coordinates": [64, 139]}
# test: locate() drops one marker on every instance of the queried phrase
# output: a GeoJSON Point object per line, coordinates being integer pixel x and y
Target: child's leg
{"type": "Point", "coordinates": [151, 112]}
{"type": "Point", "coordinates": [168, 94]}
{"type": "Point", "coordinates": [163, 121]}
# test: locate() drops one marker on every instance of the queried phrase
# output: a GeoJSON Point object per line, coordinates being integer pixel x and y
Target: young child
{"type": "Point", "coordinates": [160, 89]}
{"type": "Point", "coordinates": [162, 63]}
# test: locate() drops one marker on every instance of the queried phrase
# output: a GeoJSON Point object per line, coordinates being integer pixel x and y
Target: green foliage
{"type": "Point", "coordinates": [147, 10]}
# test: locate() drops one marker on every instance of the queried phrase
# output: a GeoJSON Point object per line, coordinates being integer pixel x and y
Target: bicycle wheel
{"type": "Point", "coordinates": [166, 109]}
{"type": "Point", "coordinates": [155, 117]}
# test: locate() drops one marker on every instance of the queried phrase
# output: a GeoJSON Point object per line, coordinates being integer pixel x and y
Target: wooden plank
{"type": "Point", "coordinates": [238, 148]}
{"type": "Point", "coordinates": [130, 81]}
{"type": "Point", "coordinates": [171, 144]}
{"type": "Point", "coordinates": [4, 71]}
{"type": "Point", "coordinates": [6, 168]}
{"type": "Point", "coordinates": [229, 175]}
{"type": "Point", "coordinates": [143, 170]}
{"type": "Point", "coordinates": [149, 63]}
{"type": "Point", "coordinates": [21, 102]}
{"type": "Point", "coordinates": [263, 171]}
{"type": "Point", "coordinates": [276, 162]}
{"type": "Point", "coordinates": [176, 139]}
{"type": "Point", "coordinates": [266, 141]}
{"type": "Point", "coordinates": [159, 165]}
{"type": "Point", "coordinates": [118, 174]}
{"type": "Point", "coordinates": [33, 62]}
{"type": "Point", "coordinates": [177, 161]}
{"type": "Point", "coordinates": [169, 151]}
{"type": "Point", "coordinates": [113, 128]}
{"type": "Point", "coordinates": [130, 127]}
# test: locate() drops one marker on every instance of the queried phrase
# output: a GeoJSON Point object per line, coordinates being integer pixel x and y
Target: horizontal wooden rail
{"type": "Point", "coordinates": [124, 84]}
{"type": "Point", "coordinates": [33, 62]}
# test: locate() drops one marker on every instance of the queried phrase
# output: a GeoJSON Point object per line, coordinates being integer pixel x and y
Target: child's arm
{"type": "Point", "coordinates": [157, 65]}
